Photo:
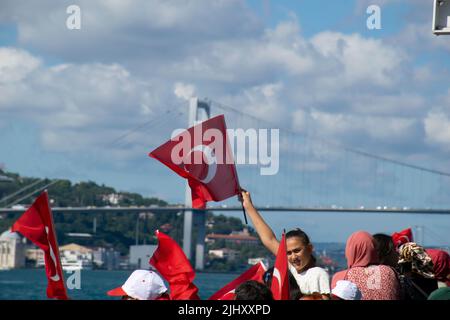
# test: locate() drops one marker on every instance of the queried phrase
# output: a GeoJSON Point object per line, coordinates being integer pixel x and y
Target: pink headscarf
{"type": "Point", "coordinates": [360, 251]}
{"type": "Point", "coordinates": [441, 263]}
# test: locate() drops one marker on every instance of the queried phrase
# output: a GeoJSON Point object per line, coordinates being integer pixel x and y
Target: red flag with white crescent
{"type": "Point", "coordinates": [402, 237]}
{"type": "Point", "coordinates": [256, 273]}
{"type": "Point", "coordinates": [202, 154]}
{"type": "Point", "coordinates": [36, 224]}
{"type": "Point", "coordinates": [280, 278]}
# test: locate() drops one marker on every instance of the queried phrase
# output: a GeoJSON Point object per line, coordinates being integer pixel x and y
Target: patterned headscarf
{"type": "Point", "coordinates": [420, 261]}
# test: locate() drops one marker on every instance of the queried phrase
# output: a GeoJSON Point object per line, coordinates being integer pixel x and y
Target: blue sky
{"type": "Point", "coordinates": [312, 67]}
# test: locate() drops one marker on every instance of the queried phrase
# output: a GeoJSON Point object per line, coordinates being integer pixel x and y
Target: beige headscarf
{"type": "Point", "coordinates": [420, 261]}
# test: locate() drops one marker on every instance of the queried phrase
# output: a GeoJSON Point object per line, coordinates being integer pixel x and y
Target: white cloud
{"type": "Point", "coordinates": [339, 127]}
{"type": "Point", "coordinates": [16, 64]}
{"type": "Point", "coordinates": [184, 91]}
{"type": "Point", "coordinates": [95, 94]}
{"type": "Point", "coordinates": [78, 106]}
{"type": "Point", "coordinates": [131, 60]}
{"type": "Point", "coordinates": [363, 60]}
{"type": "Point", "coordinates": [264, 100]}
{"type": "Point", "coordinates": [111, 28]}
{"type": "Point", "coordinates": [437, 128]}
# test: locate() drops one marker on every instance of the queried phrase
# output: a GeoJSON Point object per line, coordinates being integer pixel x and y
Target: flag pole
{"type": "Point", "coordinates": [242, 204]}
{"type": "Point", "coordinates": [240, 191]}
{"type": "Point", "coordinates": [243, 211]}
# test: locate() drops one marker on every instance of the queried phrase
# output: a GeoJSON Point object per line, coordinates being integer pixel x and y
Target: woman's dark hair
{"type": "Point", "coordinates": [299, 233]}
{"type": "Point", "coordinates": [294, 290]}
{"type": "Point", "coordinates": [253, 290]}
{"type": "Point", "coordinates": [384, 246]}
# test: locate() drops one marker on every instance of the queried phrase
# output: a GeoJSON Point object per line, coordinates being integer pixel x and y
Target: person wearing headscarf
{"type": "Point", "coordinates": [441, 266]}
{"type": "Point", "coordinates": [375, 281]}
{"type": "Point", "coordinates": [416, 272]}
{"type": "Point", "coordinates": [387, 252]}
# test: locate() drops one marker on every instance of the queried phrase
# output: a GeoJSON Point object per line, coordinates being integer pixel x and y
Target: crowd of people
{"type": "Point", "coordinates": [378, 268]}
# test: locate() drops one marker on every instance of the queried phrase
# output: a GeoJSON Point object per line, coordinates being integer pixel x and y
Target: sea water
{"type": "Point", "coordinates": [31, 284]}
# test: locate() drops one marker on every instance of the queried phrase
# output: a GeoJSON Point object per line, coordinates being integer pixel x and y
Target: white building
{"type": "Point", "coordinates": [75, 257]}
{"type": "Point", "coordinates": [37, 255]}
{"type": "Point", "coordinates": [113, 198]}
{"type": "Point", "coordinates": [140, 256]}
{"type": "Point", "coordinates": [106, 258]}
{"type": "Point", "coordinates": [253, 261]}
{"type": "Point", "coordinates": [225, 253]}
{"type": "Point", "coordinates": [12, 250]}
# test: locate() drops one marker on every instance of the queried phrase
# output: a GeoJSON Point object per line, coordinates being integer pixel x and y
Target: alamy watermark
{"type": "Point", "coordinates": [373, 277]}
{"type": "Point", "coordinates": [73, 282]}
{"type": "Point", "coordinates": [374, 20]}
{"type": "Point", "coordinates": [251, 146]}
{"type": "Point", "coordinates": [73, 21]}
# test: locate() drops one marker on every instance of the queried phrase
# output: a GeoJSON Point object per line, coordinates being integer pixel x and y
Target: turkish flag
{"type": "Point", "coordinates": [280, 277]}
{"type": "Point", "coordinates": [402, 237]}
{"type": "Point", "coordinates": [36, 224]}
{"type": "Point", "coordinates": [228, 292]}
{"type": "Point", "coordinates": [202, 154]}
{"type": "Point", "coordinates": [171, 262]}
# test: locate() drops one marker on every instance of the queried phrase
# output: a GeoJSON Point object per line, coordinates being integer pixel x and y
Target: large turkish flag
{"type": "Point", "coordinates": [202, 154]}
{"type": "Point", "coordinates": [36, 224]}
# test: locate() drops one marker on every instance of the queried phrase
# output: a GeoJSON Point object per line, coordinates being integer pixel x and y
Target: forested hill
{"type": "Point", "coordinates": [64, 194]}
{"type": "Point", "coordinates": [118, 230]}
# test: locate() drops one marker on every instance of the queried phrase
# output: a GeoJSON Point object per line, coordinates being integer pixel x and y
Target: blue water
{"type": "Point", "coordinates": [31, 284]}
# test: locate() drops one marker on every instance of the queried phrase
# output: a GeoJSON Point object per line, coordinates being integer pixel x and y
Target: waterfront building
{"type": "Point", "coordinates": [223, 253]}
{"type": "Point", "coordinates": [253, 261]}
{"type": "Point", "coordinates": [106, 258]}
{"type": "Point", "coordinates": [12, 250]}
{"type": "Point", "coordinates": [140, 256]}
{"type": "Point", "coordinates": [242, 237]}
{"type": "Point", "coordinates": [36, 256]}
{"type": "Point", "coordinates": [113, 198]}
{"type": "Point", "coordinates": [75, 257]}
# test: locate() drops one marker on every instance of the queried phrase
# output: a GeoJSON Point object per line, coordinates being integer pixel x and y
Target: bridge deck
{"type": "Point", "coordinates": [262, 209]}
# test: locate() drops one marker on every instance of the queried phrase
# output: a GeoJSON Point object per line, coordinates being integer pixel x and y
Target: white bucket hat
{"type": "Point", "coordinates": [346, 290]}
{"type": "Point", "coordinates": [141, 285]}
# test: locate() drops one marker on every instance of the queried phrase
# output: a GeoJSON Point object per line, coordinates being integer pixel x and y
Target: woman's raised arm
{"type": "Point", "coordinates": [264, 231]}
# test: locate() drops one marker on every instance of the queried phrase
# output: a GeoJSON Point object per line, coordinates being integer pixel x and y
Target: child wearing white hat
{"type": "Point", "coordinates": [142, 285]}
{"type": "Point", "coordinates": [346, 290]}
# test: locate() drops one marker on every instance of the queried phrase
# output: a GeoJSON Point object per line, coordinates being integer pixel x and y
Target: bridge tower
{"type": "Point", "coordinates": [419, 234]}
{"type": "Point", "coordinates": [198, 112]}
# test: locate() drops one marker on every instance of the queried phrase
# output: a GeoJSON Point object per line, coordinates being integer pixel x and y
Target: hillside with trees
{"type": "Point", "coordinates": [117, 230]}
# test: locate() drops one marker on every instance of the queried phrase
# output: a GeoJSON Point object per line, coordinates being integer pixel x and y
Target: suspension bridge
{"type": "Point", "coordinates": [314, 174]}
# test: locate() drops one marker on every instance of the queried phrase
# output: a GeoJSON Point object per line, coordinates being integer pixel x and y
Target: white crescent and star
{"type": "Point", "coordinates": [277, 275]}
{"type": "Point", "coordinates": [212, 162]}
{"type": "Point", "coordinates": [52, 255]}
{"type": "Point", "coordinates": [403, 237]}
